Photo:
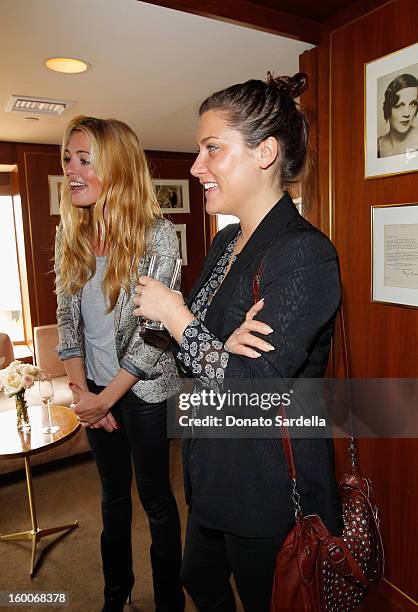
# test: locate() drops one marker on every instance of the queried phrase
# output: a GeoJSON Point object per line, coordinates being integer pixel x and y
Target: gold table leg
{"type": "Point", "coordinates": [35, 534]}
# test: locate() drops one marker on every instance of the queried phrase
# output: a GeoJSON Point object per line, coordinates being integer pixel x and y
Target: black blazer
{"type": "Point", "coordinates": [241, 485]}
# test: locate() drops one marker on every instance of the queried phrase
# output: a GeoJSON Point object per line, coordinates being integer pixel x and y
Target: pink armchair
{"type": "Point", "coordinates": [6, 351]}
{"type": "Point", "coordinates": [45, 341]}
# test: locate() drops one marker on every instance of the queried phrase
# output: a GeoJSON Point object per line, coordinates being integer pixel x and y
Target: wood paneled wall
{"type": "Point", "coordinates": [383, 339]}
{"type": "Point", "coordinates": [35, 163]}
{"type": "Point", "coordinates": [177, 166]}
{"type": "Point", "coordinates": [7, 153]}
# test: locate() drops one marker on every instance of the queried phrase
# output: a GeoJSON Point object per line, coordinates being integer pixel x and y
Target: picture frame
{"type": "Point", "coordinates": [390, 135]}
{"type": "Point", "coordinates": [55, 184]}
{"type": "Point", "coordinates": [173, 195]}
{"type": "Point", "coordinates": [182, 238]}
{"type": "Point", "coordinates": [394, 239]}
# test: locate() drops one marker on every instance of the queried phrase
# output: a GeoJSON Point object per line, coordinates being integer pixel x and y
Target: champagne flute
{"type": "Point", "coordinates": [165, 269]}
{"type": "Point", "coordinates": [46, 391]}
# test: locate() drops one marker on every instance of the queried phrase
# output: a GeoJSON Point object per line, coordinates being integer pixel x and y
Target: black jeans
{"type": "Point", "coordinates": [141, 440]}
{"type": "Point", "coordinates": [210, 556]}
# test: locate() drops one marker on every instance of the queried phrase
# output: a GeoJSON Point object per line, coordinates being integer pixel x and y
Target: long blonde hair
{"type": "Point", "coordinates": [131, 208]}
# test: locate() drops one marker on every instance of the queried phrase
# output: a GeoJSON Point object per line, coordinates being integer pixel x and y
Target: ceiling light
{"type": "Point", "coordinates": [69, 65]}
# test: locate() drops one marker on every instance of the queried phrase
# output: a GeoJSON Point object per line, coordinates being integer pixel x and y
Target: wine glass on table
{"type": "Point", "coordinates": [46, 391]}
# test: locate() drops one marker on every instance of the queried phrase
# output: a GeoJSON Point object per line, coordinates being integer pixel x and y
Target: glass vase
{"type": "Point", "coordinates": [23, 423]}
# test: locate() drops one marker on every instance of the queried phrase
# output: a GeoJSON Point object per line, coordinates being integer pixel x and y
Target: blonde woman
{"type": "Point", "coordinates": [111, 223]}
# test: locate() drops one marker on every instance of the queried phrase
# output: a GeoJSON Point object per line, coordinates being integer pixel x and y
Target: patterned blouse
{"type": "Point", "coordinates": [203, 354]}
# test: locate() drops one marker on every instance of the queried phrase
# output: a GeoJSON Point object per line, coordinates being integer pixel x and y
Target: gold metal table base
{"type": "Point", "coordinates": [35, 537]}
{"type": "Point", "coordinates": [35, 534]}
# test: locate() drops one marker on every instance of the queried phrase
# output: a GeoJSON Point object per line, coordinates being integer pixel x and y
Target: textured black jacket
{"type": "Point", "coordinates": [242, 485]}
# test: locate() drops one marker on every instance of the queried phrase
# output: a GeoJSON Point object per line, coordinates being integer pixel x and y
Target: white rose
{"type": "Point", "coordinates": [12, 383]}
{"type": "Point", "coordinates": [34, 371]}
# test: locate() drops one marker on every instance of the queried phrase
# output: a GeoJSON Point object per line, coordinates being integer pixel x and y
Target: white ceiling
{"type": "Point", "coordinates": [151, 66]}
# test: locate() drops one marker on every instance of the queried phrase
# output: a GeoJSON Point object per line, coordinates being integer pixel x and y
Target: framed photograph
{"type": "Point", "coordinates": [181, 235]}
{"type": "Point", "coordinates": [172, 195]}
{"type": "Point", "coordinates": [55, 184]}
{"type": "Point", "coordinates": [390, 121]}
{"type": "Point", "coordinates": [395, 254]}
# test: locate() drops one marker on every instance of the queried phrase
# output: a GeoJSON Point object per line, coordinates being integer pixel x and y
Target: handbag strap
{"type": "Point", "coordinates": [256, 279]}
{"type": "Point", "coordinates": [344, 343]}
{"type": "Point", "coordinates": [285, 436]}
{"type": "Point", "coordinates": [352, 446]}
{"type": "Point", "coordinates": [286, 442]}
{"type": "Point", "coordinates": [287, 447]}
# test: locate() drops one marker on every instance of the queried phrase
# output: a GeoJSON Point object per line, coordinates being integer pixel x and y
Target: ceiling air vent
{"type": "Point", "coordinates": [40, 106]}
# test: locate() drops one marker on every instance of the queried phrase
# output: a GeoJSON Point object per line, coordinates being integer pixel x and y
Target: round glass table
{"type": "Point", "coordinates": [14, 443]}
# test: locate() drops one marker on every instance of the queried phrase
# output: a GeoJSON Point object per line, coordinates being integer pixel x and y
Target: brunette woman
{"type": "Point", "coordinates": [252, 142]}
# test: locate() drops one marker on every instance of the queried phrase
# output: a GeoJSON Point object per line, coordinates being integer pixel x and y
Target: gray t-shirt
{"type": "Point", "coordinates": [99, 333]}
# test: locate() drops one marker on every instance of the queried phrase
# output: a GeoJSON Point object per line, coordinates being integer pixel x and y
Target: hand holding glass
{"type": "Point", "coordinates": [46, 391]}
{"type": "Point", "coordinates": [165, 269]}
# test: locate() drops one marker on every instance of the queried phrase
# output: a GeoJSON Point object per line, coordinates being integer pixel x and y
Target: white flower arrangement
{"type": "Point", "coordinates": [18, 377]}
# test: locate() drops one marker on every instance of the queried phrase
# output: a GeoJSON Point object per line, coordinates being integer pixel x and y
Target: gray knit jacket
{"type": "Point", "coordinates": [155, 367]}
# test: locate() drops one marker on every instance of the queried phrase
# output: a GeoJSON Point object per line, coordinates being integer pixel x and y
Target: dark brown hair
{"type": "Point", "coordinates": [259, 109]}
{"type": "Point", "coordinates": [391, 94]}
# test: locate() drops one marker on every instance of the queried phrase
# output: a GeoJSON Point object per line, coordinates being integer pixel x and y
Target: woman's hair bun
{"type": "Point", "coordinates": [292, 87]}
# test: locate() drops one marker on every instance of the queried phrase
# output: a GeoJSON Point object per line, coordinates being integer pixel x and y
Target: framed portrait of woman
{"type": "Point", "coordinates": [391, 107]}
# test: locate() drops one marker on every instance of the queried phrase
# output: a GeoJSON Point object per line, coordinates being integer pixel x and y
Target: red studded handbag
{"type": "Point", "coordinates": [317, 571]}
